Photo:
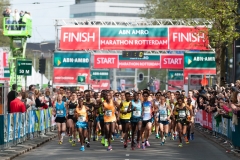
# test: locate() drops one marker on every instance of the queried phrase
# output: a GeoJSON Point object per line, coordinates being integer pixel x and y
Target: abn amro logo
{"type": "Point", "coordinates": [188, 60]}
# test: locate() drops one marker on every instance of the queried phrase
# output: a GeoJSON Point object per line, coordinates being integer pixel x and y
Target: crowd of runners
{"type": "Point", "coordinates": [132, 116]}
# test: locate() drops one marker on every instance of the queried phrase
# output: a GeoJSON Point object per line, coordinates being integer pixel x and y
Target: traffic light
{"type": "Point", "coordinates": [140, 76]}
{"type": "Point", "coordinates": [42, 65]}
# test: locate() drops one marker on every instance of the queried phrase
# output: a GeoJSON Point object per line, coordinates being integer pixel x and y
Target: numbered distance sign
{"type": "Point", "coordinates": [24, 67]}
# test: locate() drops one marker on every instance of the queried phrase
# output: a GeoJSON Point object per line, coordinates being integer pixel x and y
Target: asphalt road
{"type": "Point", "coordinates": [199, 149]}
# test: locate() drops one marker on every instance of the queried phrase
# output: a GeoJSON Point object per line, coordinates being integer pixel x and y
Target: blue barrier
{"type": "Point", "coordinates": [17, 127]}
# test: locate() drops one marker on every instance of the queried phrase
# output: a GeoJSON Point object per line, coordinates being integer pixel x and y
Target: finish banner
{"type": "Point", "coordinates": [148, 61]}
{"type": "Point", "coordinates": [134, 38]}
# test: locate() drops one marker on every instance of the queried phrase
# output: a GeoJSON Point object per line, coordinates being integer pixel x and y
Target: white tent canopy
{"type": "Point", "coordinates": [35, 79]}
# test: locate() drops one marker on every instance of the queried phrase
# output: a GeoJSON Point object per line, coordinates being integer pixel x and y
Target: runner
{"type": "Point", "coordinates": [135, 107]}
{"type": "Point", "coordinates": [71, 121]}
{"type": "Point", "coordinates": [165, 112]}
{"type": "Point", "coordinates": [156, 103]}
{"type": "Point", "coordinates": [109, 108]}
{"type": "Point", "coordinates": [147, 113]}
{"type": "Point", "coordinates": [181, 119]}
{"type": "Point", "coordinates": [90, 104]}
{"type": "Point", "coordinates": [59, 111]}
{"type": "Point", "coordinates": [125, 117]}
{"type": "Point", "coordinates": [82, 123]}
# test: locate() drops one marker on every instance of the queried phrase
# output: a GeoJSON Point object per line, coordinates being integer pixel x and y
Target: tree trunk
{"type": "Point", "coordinates": [218, 64]}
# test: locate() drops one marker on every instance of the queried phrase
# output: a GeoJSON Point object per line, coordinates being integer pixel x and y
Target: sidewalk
{"type": "Point", "coordinates": [27, 146]}
{"type": "Point", "coordinates": [219, 141]}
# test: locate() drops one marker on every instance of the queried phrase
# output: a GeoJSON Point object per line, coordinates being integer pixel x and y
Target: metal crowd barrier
{"type": "Point", "coordinates": [20, 127]}
{"type": "Point", "coordinates": [223, 128]}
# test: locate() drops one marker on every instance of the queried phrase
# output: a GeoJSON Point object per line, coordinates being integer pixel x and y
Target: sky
{"type": "Point", "coordinates": [43, 15]}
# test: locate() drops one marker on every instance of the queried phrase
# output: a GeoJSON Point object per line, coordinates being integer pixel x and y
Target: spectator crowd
{"type": "Point", "coordinates": [15, 20]}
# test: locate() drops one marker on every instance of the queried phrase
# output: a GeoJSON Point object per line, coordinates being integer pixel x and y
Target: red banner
{"type": "Point", "coordinates": [188, 38]}
{"type": "Point", "coordinates": [207, 120]}
{"type": "Point", "coordinates": [133, 38]}
{"type": "Point", "coordinates": [79, 38]}
{"type": "Point", "coordinates": [106, 61]}
{"type": "Point", "coordinates": [197, 71]}
{"type": "Point", "coordinates": [100, 84]}
{"type": "Point", "coordinates": [175, 83]}
{"type": "Point", "coordinates": [172, 61]}
{"type": "Point", "coordinates": [69, 75]}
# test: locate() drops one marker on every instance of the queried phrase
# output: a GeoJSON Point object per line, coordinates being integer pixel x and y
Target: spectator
{"type": "Point", "coordinates": [16, 18]}
{"type": "Point", "coordinates": [27, 102]}
{"type": "Point", "coordinates": [17, 105]}
{"type": "Point", "coordinates": [48, 98]}
{"type": "Point", "coordinates": [25, 18]}
{"type": "Point", "coordinates": [20, 20]}
{"type": "Point", "coordinates": [38, 101]}
{"type": "Point", "coordinates": [12, 95]}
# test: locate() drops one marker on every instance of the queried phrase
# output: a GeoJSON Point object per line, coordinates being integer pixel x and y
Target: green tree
{"type": "Point", "coordinates": [223, 14]}
{"type": "Point", "coordinates": [4, 41]}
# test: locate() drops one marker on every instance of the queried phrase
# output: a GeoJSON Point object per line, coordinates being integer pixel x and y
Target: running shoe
{"type": "Point", "coordinates": [88, 145]}
{"type": "Point", "coordinates": [147, 144]}
{"type": "Point", "coordinates": [97, 138]}
{"type": "Point", "coordinates": [60, 142]}
{"type": "Point", "coordinates": [106, 143]}
{"type": "Point", "coordinates": [157, 136]}
{"type": "Point", "coordinates": [112, 139]}
{"type": "Point", "coordinates": [82, 148]}
{"type": "Point", "coordinates": [70, 139]}
{"type": "Point", "coordinates": [125, 145]}
{"type": "Point", "coordinates": [180, 145]}
{"type": "Point", "coordinates": [62, 139]}
{"type": "Point", "coordinates": [162, 143]}
{"type": "Point", "coordinates": [109, 148]}
{"type": "Point", "coordinates": [103, 141]}
{"type": "Point", "coordinates": [186, 140]}
{"type": "Point", "coordinates": [73, 143]}
{"type": "Point", "coordinates": [121, 140]}
{"type": "Point", "coordinates": [138, 145]}
{"type": "Point", "coordinates": [143, 146]}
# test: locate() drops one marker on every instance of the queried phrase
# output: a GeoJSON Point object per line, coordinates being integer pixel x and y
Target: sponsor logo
{"type": "Point", "coordinates": [104, 85]}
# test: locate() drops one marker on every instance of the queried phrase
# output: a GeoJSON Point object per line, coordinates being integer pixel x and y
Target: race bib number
{"type": "Point", "coordinates": [108, 113]}
{"type": "Point", "coordinates": [81, 118]}
{"type": "Point", "coordinates": [163, 115]}
{"type": "Point", "coordinates": [89, 113]}
{"type": "Point", "coordinates": [71, 112]}
{"type": "Point", "coordinates": [136, 113]}
{"type": "Point", "coordinates": [182, 114]}
{"type": "Point", "coordinates": [60, 112]}
{"type": "Point", "coordinates": [146, 109]}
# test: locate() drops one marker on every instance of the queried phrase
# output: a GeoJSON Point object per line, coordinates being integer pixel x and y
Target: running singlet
{"type": "Point", "coordinates": [147, 113]}
{"type": "Point", "coordinates": [182, 113]}
{"type": "Point", "coordinates": [90, 106]}
{"type": "Point", "coordinates": [138, 112]}
{"type": "Point", "coordinates": [60, 110]}
{"type": "Point", "coordinates": [125, 108]}
{"type": "Point", "coordinates": [71, 108]}
{"type": "Point", "coordinates": [82, 114]}
{"type": "Point", "coordinates": [109, 112]}
{"type": "Point", "coordinates": [163, 112]}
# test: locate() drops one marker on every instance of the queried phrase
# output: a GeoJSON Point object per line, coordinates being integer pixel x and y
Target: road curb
{"type": "Point", "coordinates": [217, 143]}
{"type": "Point", "coordinates": [31, 147]}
